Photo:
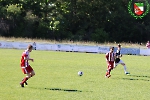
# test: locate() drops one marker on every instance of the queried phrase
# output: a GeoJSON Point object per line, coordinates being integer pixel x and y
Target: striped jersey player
{"type": "Point", "coordinates": [110, 59]}
{"type": "Point", "coordinates": [25, 66]}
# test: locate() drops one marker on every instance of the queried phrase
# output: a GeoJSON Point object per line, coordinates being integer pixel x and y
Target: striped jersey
{"type": "Point", "coordinates": [110, 56]}
{"type": "Point", "coordinates": [24, 63]}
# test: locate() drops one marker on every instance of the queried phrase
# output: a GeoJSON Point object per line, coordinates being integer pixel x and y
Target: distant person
{"type": "Point", "coordinates": [119, 61]}
{"type": "Point", "coordinates": [110, 58]}
{"type": "Point", "coordinates": [148, 44]}
{"type": "Point", "coordinates": [34, 46]}
{"type": "Point", "coordinates": [26, 68]}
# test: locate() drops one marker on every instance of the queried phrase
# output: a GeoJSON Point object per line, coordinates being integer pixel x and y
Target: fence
{"type": "Point", "coordinates": [72, 48]}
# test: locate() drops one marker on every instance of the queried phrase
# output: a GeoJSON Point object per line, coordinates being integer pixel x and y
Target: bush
{"type": "Point", "coordinates": [100, 35]}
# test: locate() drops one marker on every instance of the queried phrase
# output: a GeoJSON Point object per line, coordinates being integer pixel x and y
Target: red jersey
{"type": "Point", "coordinates": [110, 56]}
{"type": "Point", "coordinates": [148, 45]}
{"type": "Point", "coordinates": [24, 63]}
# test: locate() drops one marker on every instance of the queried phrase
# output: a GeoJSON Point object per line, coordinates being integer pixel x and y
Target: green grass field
{"type": "Point", "coordinates": [56, 77]}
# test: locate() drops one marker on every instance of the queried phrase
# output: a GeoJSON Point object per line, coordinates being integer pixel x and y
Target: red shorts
{"type": "Point", "coordinates": [27, 70]}
{"type": "Point", "coordinates": [111, 65]}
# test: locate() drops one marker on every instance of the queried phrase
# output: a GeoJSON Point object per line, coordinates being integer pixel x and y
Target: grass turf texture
{"type": "Point", "coordinates": [56, 77]}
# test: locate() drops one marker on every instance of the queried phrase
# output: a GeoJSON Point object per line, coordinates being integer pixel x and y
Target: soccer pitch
{"type": "Point", "coordinates": [56, 77]}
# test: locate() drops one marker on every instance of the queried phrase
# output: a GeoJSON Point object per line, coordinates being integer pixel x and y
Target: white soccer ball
{"type": "Point", "coordinates": [80, 73]}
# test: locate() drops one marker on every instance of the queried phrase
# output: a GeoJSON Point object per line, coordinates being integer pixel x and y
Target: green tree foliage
{"type": "Point", "coordinates": [83, 20]}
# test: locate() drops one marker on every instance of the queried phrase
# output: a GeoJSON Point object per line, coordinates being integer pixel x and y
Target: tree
{"type": "Point", "coordinates": [81, 20]}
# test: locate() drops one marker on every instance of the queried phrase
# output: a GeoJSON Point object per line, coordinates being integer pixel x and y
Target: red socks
{"type": "Point", "coordinates": [24, 80]}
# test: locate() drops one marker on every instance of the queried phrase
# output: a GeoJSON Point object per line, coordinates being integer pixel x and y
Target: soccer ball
{"type": "Point", "coordinates": [80, 73]}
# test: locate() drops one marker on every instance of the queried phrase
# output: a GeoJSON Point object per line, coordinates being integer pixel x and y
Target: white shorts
{"type": "Point", "coordinates": [119, 62]}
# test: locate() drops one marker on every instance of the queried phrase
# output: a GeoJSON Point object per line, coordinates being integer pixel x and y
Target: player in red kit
{"type": "Point", "coordinates": [26, 68]}
{"type": "Point", "coordinates": [110, 58]}
{"type": "Point", "coordinates": [148, 44]}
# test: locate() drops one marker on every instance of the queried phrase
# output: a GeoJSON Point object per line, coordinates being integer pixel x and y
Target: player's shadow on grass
{"type": "Point", "coordinates": [138, 77]}
{"type": "Point", "coordinates": [59, 89]}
